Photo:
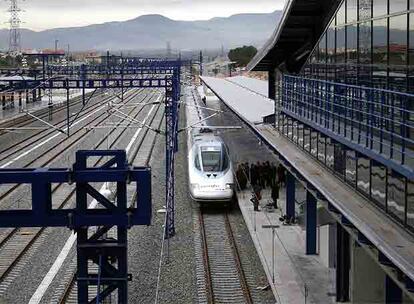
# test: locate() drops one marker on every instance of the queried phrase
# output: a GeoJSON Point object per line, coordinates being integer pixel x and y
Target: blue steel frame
{"type": "Point", "coordinates": [171, 84]}
{"type": "Point", "coordinates": [99, 250]}
{"type": "Point", "coordinates": [90, 248]}
{"type": "Point", "coordinates": [378, 123]}
{"type": "Point", "coordinates": [90, 83]}
{"type": "Point", "coordinates": [81, 217]}
{"type": "Point", "coordinates": [311, 223]}
{"type": "Point", "coordinates": [167, 76]}
{"type": "Point", "coordinates": [124, 65]}
{"type": "Point", "coordinates": [307, 105]}
{"type": "Point", "coordinates": [362, 120]}
{"type": "Point", "coordinates": [404, 281]}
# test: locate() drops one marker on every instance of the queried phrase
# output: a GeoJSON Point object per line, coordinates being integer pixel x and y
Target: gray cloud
{"type": "Point", "coordinates": [43, 14]}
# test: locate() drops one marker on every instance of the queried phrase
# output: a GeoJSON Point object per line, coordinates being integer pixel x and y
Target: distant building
{"type": "Point", "coordinates": [87, 57]}
{"type": "Point", "coordinates": [53, 51]}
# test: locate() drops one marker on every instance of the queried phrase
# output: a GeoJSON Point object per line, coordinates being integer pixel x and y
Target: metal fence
{"type": "Point", "coordinates": [378, 120]}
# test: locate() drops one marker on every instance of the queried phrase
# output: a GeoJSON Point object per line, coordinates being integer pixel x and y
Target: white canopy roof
{"type": "Point", "coordinates": [242, 99]}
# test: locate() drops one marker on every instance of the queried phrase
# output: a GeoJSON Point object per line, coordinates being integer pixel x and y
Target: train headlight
{"type": "Point", "coordinates": [195, 186]}
{"type": "Point", "coordinates": [229, 186]}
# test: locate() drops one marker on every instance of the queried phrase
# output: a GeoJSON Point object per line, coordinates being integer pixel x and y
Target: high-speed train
{"type": "Point", "coordinates": [209, 167]}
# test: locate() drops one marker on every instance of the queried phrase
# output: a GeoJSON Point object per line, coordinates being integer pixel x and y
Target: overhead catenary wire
{"type": "Point", "coordinates": [41, 85]}
{"type": "Point", "coordinates": [304, 291]}
{"type": "Point", "coordinates": [235, 178]}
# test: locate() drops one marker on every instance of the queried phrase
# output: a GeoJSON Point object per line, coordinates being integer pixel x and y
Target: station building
{"type": "Point", "coordinates": [341, 73]}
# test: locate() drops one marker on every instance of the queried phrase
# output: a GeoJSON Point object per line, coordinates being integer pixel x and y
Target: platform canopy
{"type": "Point", "coordinates": [259, 86]}
{"type": "Point", "coordinates": [241, 98]}
{"type": "Point", "coordinates": [303, 23]}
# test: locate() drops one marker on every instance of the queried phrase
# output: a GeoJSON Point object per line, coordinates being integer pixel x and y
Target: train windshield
{"type": "Point", "coordinates": [211, 161]}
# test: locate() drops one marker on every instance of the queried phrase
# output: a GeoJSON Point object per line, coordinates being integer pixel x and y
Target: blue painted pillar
{"type": "Point", "coordinates": [393, 293]}
{"type": "Point", "coordinates": [311, 219]}
{"type": "Point", "coordinates": [343, 264]}
{"type": "Point", "coordinates": [290, 195]}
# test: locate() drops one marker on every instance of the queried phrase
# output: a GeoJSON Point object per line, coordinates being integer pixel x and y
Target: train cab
{"type": "Point", "coordinates": [210, 169]}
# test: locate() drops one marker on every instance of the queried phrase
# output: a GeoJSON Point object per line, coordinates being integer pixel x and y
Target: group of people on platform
{"type": "Point", "coordinates": [261, 175]}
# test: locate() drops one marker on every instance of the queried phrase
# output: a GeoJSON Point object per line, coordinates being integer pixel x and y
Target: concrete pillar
{"type": "Point", "coordinates": [20, 99]}
{"type": "Point", "coordinates": [27, 96]}
{"type": "Point", "coordinates": [367, 278]}
{"type": "Point", "coordinates": [272, 84]}
{"type": "Point", "coordinates": [33, 95]}
{"type": "Point", "coordinates": [290, 195]}
{"type": "Point", "coordinates": [342, 264]}
{"type": "Point", "coordinates": [327, 244]}
{"type": "Point", "coordinates": [311, 220]}
{"type": "Point", "coordinates": [393, 293]}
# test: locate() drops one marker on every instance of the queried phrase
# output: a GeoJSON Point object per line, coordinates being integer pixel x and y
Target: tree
{"type": "Point", "coordinates": [242, 55]}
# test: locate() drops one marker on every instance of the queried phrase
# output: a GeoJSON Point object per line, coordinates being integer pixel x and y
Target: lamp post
{"type": "Point", "coordinates": [273, 227]}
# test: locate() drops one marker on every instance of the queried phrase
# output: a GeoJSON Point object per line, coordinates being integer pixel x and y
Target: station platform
{"type": "Point", "coordinates": [293, 276]}
{"type": "Point", "coordinates": [388, 237]}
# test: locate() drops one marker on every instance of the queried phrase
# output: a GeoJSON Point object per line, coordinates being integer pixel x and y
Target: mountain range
{"type": "Point", "coordinates": [154, 32]}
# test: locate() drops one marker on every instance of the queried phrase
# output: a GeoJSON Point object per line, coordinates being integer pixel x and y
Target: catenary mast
{"type": "Point", "coordinates": [14, 21]}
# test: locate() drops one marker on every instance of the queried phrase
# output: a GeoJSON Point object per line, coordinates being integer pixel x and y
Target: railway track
{"type": "Point", "coordinates": [57, 151]}
{"type": "Point", "coordinates": [224, 278]}
{"type": "Point", "coordinates": [16, 243]}
{"type": "Point", "coordinates": [36, 137]}
{"type": "Point", "coordinates": [42, 113]}
{"type": "Point", "coordinates": [67, 291]}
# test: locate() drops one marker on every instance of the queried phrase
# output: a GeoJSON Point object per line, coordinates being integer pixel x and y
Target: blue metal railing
{"type": "Point", "coordinates": [378, 120]}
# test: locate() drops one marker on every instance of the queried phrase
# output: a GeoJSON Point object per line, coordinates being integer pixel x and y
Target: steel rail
{"type": "Point", "coordinates": [70, 287]}
{"type": "Point", "coordinates": [38, 231]}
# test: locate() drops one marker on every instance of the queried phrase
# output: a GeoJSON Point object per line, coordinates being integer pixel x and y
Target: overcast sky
{"type": "Point", "coordinates": [44, 14]}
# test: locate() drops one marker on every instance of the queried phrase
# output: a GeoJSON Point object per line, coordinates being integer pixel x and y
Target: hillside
{"type": "Point", "coordinates": [153, 31]}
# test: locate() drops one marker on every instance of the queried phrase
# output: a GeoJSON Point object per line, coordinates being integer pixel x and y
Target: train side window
{"type": "Point", "coordinates": [197, 162]}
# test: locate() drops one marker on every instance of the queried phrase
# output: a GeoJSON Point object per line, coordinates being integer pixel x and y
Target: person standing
{"type": "Point", "coordinates": [253, 175]}
{"type": "Point", "coordinates": [268, 176]}
{"type": "Point", "coordinates": [281, 175]}
{"type": "Point", "coordinates": [264, 175]}
{"type": "Point", "coordinates": [246, 168]}
{"type": "Point", "coordinates": [239, 177]}
{"type": "Point", "coordinates": [242, 177]}
{"type": "Point", "coordinates": [256, 197]}
{"type": "Point", "coordinates": [273, 173]}
{"type": "Point", "coordinates": [275, 194]}
{"type": "Point", "coordinates": [259, 170]}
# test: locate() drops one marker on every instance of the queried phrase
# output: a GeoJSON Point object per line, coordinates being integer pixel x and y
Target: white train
{"type": "Point", "coordinates": [209, 167]}
{"type": "Point", "coordinates": [210, 170]}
